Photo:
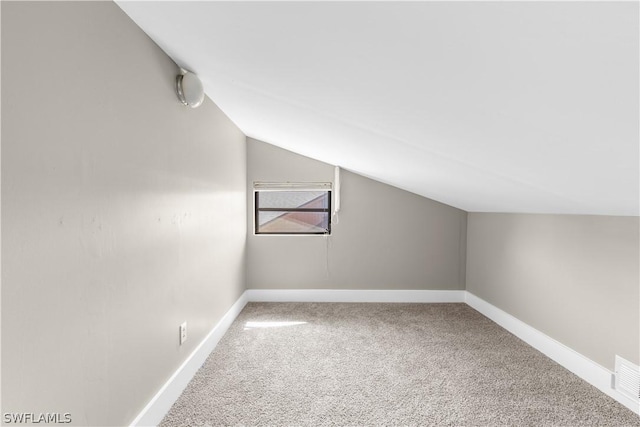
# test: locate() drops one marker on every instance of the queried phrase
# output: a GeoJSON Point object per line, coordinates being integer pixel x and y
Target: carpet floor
{"type": "Point", "coordinates": [316, 364]}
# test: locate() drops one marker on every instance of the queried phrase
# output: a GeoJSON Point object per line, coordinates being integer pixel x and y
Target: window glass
{"type": "Point", "coordinates": [293, 212]}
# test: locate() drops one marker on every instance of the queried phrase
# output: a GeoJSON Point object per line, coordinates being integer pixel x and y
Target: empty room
{"type": "Point", "coordinates": [420, 213]}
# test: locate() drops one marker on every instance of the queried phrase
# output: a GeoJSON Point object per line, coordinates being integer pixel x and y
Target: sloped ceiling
{"type": "Point", "coordinates": [491, 107]}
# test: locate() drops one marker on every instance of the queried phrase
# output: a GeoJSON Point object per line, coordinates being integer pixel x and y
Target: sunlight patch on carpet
{"type": "Point", "coordinates": [255, 325]}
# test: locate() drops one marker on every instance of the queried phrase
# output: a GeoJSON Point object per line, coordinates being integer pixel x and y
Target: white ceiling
{"type": "Point", "coordinates": [486, 106]}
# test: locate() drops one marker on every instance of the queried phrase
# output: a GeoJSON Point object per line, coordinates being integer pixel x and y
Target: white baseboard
{"type": "Point", "coordinates": [593, 373]}
{"type": "Point", "coordinates": [353, 295]}
{"type": "Point", "coordinates": [580, 365]}
{"type": "Point", "coordinates": [160, 404]}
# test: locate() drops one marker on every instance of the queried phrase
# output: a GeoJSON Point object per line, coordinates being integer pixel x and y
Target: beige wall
{"type": "Point", "coordinates": [575, 278]}
{"type": "Point", "coordinates": [122, 213]}
{"type": "Point", "coordinates": [385, 238]}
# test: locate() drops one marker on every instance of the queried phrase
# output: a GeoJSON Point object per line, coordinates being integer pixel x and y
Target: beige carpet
{"type": "Point", "coordinates": [383, 364]}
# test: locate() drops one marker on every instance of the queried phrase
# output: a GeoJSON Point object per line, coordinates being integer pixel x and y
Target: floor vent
{"type": "Point", "coordinates": [627, 378]}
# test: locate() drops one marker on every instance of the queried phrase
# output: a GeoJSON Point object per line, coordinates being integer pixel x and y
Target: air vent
{"type": "Point", "coordinates": [628, 378]}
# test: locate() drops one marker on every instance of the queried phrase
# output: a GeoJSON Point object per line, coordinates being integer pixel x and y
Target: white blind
{"type": "Point", "coordinates": [291, 186]}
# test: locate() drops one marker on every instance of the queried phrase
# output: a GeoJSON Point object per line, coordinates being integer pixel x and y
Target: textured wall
{"type": "Point", "coordinates": [385, 238]}
{"type": "Point", "coordinates": [575, 278]}
{"type": "Point", "coordinates": [123, 213]}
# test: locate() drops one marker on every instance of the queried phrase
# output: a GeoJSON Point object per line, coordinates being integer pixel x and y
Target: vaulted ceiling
{"type": "Point", "coordinates": [485, 106]}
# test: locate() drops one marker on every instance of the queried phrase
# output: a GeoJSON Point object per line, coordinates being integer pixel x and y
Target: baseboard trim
{"type": "Point", "coordinates": [585, 368]}
{"type": "Point", "coordinates": [354, 295]}
{"type": "Point", "coordinates": [159, 406]}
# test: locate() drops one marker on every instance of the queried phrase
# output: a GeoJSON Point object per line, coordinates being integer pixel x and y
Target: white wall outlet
{"type": "Point", "coordinates": [183, 333]}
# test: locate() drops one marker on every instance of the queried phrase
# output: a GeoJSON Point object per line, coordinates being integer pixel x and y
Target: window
{"type": "Point", "coordinates": [292, 209]}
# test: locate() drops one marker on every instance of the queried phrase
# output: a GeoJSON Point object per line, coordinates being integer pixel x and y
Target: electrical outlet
{"type": "Point", "coordinates": [183, 333]}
